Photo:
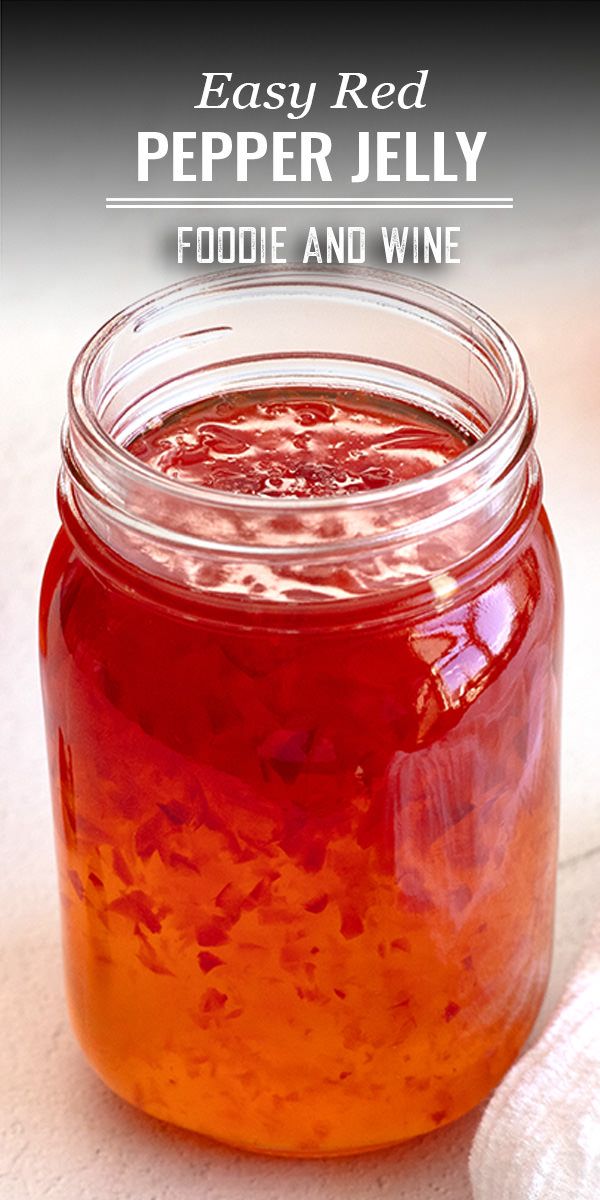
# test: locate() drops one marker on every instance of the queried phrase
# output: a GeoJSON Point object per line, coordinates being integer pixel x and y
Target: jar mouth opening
{"type": "Point", "coordinates": [495, 450]}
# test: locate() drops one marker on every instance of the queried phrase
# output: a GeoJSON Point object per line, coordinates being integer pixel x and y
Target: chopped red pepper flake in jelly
{"type": "Point", "coordinates": [138, 907]}
{"type": "Point", "coordinates": [211, 935]}
{"type": "Point", "coordinates": [213, 1000]}
{"type": "Point", "coordinates": [347, 820]}
{"type": "Point", "coordinates": [208, 961]}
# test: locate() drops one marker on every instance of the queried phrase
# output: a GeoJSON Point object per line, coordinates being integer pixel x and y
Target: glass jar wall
{"type": "Point", "coordinates": [303, 747]}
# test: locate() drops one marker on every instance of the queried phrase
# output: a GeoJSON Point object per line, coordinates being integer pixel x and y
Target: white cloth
{"type": "Point", "coordinates": [539, 1138]}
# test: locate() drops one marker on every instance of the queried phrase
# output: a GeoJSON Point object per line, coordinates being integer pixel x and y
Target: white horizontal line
{"type": "Point", "coordinates": [303, 199]}
{"type": "Point", "coordinates": [314, 206]}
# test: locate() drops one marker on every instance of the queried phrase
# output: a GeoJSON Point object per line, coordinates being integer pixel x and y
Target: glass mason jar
{"type": "Point", "coordinates": [303, 751]}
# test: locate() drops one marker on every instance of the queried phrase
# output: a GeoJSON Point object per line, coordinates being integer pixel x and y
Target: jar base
{"type": "Point", "coordinates": [302, 1151]}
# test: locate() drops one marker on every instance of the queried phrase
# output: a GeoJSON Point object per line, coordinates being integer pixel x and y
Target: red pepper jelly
{"type": "Point", "coordinates": [300, 639]}
{"type": "Point", "coordinates": [298, 442]}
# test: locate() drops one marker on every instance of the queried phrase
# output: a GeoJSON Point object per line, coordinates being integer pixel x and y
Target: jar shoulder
{"type": "Point", "coordinates": [528, 592]}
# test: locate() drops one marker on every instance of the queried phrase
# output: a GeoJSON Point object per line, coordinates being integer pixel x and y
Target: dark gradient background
{"type": "Point", "coordinates": [81, 79]}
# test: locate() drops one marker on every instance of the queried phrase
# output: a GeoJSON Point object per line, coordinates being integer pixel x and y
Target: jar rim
{"type": "Point", "coordinates": [506, 440]}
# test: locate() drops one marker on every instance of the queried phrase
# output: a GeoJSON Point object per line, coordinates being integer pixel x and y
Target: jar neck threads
{"type": "Point", "coordinates": [379, 333]}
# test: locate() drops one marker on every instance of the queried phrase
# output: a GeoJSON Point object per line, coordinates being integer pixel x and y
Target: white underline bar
{"type": "Point", "coordinates": [315, 206]}
{"type": "Point", "coordinates": [302, 199]}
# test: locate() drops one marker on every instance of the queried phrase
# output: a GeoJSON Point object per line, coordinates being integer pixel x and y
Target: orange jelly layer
{"type": "Point", "coordinates": [307, 864]}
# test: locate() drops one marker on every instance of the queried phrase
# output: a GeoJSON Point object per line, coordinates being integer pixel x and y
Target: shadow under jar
{"type": "Point", "coordinates": [303, 746]}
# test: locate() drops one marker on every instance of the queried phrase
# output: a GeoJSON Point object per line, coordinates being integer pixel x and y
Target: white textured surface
{"type": "Point", "coordinates": [539, 1136]}
{"type": "Point", "coordinates": [67, 1137]}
